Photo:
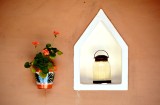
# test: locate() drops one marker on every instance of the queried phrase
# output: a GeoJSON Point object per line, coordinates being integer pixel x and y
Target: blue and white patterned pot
{"type": "Point", "coordinates": [45, 83]}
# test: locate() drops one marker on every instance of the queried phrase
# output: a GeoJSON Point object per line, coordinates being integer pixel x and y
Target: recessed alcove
{"type": "Point", "coordinates": [100, 35]}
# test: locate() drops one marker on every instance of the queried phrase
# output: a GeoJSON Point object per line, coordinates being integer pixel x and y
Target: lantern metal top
{"type": "Point", "coordinates": [101, 57]}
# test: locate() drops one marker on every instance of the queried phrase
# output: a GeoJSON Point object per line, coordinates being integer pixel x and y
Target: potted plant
{"type": "Point", "coordinates": [43, 65]}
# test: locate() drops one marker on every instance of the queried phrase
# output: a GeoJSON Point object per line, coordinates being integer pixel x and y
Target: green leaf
{"type": "Point", "coordinates": [52, 54]}
{"type": "Point", "coordinates": [52, 57]}
{"type": "Point", "coordinates": [41, 74]}
{"type": "Point", "coordinates": [59, 52]}
{"type": "Point", "coordinates": [54, 49]}
{"type": "Point", "coordinates": [45, 70]}
{"type": "Point", "coordinates": [33, 70]}
{"type": "Point", "coordinates": [48, 45]}
{"type": "Point", "coordinates": [41, 62]}
{"type": "Point", "coordinates": [39, 55]}
{"type": "Point", "coordinates": [27, 65]}
{"type": "Point", "coordinates": [50, 65]}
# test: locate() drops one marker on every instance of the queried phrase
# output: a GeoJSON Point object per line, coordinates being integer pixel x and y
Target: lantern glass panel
{"type": "Point", "coordinates": [101, 72]}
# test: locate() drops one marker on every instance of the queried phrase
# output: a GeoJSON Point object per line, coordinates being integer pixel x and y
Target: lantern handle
{"type": "Point", "coordinates": [101, 50]}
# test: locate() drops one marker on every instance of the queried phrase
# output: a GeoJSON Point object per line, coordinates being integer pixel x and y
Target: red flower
{"type": "Point", "coordinates": [45, 52]}
{"type": "Point", "coordinates": [35, 43]}
{"type": "Point", "coordinates": [56, 33]}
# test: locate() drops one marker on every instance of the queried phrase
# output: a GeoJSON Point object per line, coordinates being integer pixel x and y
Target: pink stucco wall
{"type": "Point", "coordinates": [23, 21]}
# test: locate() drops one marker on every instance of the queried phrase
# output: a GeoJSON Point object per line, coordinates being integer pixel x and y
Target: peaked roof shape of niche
{"type": "Point", "coordinates": [101, 17]}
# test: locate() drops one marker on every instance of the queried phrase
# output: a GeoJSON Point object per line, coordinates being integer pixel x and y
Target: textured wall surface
{"type": "Point", "coordinates": [23, 21]}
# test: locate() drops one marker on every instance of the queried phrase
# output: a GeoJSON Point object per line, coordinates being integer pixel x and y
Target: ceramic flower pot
{"type": "Point", "coordinates": [44, 83]}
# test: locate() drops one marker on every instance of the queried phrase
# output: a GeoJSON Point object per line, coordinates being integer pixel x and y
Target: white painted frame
{"type": "Point", "coordinates": [124, 84]}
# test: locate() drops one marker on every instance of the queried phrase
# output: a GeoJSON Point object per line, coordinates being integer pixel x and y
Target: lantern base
{"type": "Point", "coordinates": [101, 81]}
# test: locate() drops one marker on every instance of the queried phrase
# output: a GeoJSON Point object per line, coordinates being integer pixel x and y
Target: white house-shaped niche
{"type": "Point", "coordinates": [100, 35]}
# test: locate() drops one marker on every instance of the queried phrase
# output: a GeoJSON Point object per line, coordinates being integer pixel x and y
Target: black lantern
{"type": "Point", "coordinates": [101, 69]}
